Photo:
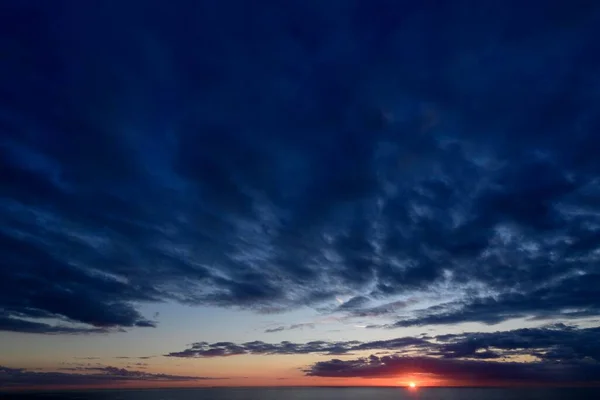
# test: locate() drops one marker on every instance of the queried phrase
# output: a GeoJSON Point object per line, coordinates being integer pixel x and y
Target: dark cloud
{"type": "Point", "coordinates": [226, 349]}
{"type": "Point", "coordinates": [305, 152]}
{"type": "Point", "coordinates": [20, 325]}
{"type": "Point", "coordinates": [365, 308]}
{"type": "Point", "coordinates": [277, 329]}
{"type": "Point", "coordinates": [290, 327]}
{"type": "Point", "coordinates": [17, 377]}
{"type": "Point", "coordinates": [547, 344]}
{"type": "Point", "coordinates": [133, 358]}
{"type": "Point", "coordinates": [464, 371]}
{"type": "Point", "coordinates": [557, 342]}
{"type": "Point", "coordinates": [571, 297]}
{"type": "Point", "coordinates": [556, 353]}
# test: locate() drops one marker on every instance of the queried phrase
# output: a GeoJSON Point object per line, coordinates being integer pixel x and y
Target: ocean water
{"type": "Point", "coordinates": [317, 394]}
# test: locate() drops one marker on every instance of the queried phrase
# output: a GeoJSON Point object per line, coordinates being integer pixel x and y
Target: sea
{"type": "Point", "coordinates": [316, 394]}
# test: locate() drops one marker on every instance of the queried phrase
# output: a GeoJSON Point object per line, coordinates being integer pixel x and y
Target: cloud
{"type": "Point", "coordinates": [326, 166]}
{"type": "Point", "coordinates": [11, 324]}
{"type": "Point", "coordinates": [277, 329]}
{"type": "Point", "coordinates": [362, 307]}
{"type": "Point", "coordinates": [557, 342]}
{"type": "Point", "coordinates": [554, 353]}
{"type": "Point", "coordinates": [226, 349]}
{"type": "Point", "coordinates": [543, 343]}
{"type": "Point", "coordinates": [290, 327]}
{"type": "Point", "coordinates": [464, 371]}
{"type": "Point", "coordinates": [134, 358]}
{"type": "Point", "coordinates": [572, 297]}
{"type": "Point", "coordinates": [17, 377]}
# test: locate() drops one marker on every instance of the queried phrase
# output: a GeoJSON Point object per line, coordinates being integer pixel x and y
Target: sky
{"type": "Point", "coordinates": [241, 193]}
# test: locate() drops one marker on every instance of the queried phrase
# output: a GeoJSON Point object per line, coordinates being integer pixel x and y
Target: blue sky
{"type": "Point", "coordinates": [235, 193]}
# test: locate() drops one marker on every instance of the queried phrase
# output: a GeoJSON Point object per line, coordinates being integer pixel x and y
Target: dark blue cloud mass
{"type": "Point", "coordinates": [277, 156]}
{"type": "Point", "coordinates": [466, 371]}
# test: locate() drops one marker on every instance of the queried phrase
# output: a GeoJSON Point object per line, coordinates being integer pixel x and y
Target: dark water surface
{"type": "Point", "coordinates": [317, 394]}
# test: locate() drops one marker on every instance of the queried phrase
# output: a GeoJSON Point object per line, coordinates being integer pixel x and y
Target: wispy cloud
{"type": "Point", "coordinates": [309, 325]}
{"type": "Point", "coordinates": [134, 358]}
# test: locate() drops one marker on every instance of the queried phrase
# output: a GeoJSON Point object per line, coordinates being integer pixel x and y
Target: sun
{"type": "Point", "coordinates": [412, 385]}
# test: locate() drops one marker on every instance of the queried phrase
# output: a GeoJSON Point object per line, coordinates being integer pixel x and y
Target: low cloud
{"type": "Point", "coordinates": [227, 349]}
{"type": "Point", "coordinates": [464, 371]}
{"type": "Point", "coordinates": [290, 327]}
{"type": "Point", "coordinates": [553, 343]}
{"type": "Point", "coordinates": [134, 358]}
{"type": "Point", "coordinates": [16, 377]}
{"type": "Point", "coordinates": [556, 353]}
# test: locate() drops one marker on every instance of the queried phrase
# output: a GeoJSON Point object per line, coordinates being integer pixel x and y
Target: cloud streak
{"type": "Point", "coordinates": [290, 327]}
{"type": "Point", "coordinates": [19, 377]}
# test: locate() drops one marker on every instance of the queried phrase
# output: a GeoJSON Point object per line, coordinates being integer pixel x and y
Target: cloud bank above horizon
{"type": "Point", "coordinates": [555, 354]}
{"type": "Point", "coordinates": [85, 376]}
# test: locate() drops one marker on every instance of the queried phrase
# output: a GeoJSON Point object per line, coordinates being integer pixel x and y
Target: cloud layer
{"type": "Point", "coordinates": [556, 354]}
{"type": "Point", "coordinates": [552, 343]}
{"type": "Point", "coordinates": [460, 371]}
{"type": "Point", "coordinates": [303, 152]}
{"type": "Point", "coordinates": [19, 377]}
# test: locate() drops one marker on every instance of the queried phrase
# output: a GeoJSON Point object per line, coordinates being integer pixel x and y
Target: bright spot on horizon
{"type": "Point", "coordinates": [412, 385]}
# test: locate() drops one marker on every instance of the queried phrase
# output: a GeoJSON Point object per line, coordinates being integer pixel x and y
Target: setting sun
{"type": "Point", "coordinates": [412, 385]}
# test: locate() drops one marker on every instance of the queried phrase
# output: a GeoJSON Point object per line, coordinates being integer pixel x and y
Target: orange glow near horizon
{"type": "Point", "coordinates": [359, 382]}
{"type": "Point", "coordinates": [412, 382]}
{"type": "Point", "coordinates": [240, 382]}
